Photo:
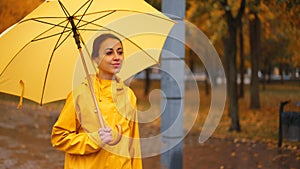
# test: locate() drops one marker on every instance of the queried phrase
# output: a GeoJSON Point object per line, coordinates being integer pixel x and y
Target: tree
{"type": "Point", "coordinates": [281, 57]}
{"type": "Point", "coordinates": [267, 20]}
{"type": "Point", "coordinates": [230, 52]}
{"type": "Point", "coordinates": [147, 81]}
{"type": "Point", "coordinates": [242, 58]}
{"type": "Point", "coordinates": [255, 52]}
{"type": "Point", "coordinates": [280, 36]}
{"type": "Point", "coordinates": [212, 17]}
{"type": "Point", "coordinates": [287, 11]}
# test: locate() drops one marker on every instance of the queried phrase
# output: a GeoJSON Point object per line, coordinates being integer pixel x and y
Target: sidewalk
{"type": "Point", "coordinates": [25, 144]}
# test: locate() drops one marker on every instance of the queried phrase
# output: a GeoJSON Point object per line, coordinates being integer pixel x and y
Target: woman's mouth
{"type": "Point", "coordinates": [116, 65]}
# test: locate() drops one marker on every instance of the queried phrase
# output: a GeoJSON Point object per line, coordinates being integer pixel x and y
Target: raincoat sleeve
{"type": "Point", "coordinates": [66, 135]}
{"type": "Point", "coordinates": [135, 148]}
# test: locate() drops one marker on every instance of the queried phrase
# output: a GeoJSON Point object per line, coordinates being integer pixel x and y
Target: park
{"type": "Point", "coordinates": [258, 68]}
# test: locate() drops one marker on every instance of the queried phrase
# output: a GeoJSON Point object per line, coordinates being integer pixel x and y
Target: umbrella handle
{"type": "Point", "coordinates": [117, 140]}
{"type": "Point", "coordinates": [114, 142]}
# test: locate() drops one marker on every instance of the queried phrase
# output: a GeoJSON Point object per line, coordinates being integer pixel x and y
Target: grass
{"type": "Point", "coordinates": [262, 124]}
{"type": "Point", "coordinates": [256, 125]}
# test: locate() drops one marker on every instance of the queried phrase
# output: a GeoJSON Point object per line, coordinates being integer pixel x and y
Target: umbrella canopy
{"type": "Point", "coordinates": [39, 56]}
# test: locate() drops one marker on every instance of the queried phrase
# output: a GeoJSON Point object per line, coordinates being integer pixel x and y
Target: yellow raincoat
{"type": "Point", "coordinates": [76, 130]}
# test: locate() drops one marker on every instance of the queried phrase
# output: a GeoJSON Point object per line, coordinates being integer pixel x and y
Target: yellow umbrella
{"type": "Point", "coordinates": [39, 57]}
{"type": "Point", "coordinates": [40, 52]}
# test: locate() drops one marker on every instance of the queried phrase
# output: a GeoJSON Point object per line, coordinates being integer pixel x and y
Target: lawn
{"type": "Point", "coordinates": [262, 124]}
{"type": "Point", "coordinates": [257, 125]}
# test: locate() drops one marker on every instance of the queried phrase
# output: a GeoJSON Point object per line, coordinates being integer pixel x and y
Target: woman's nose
{"type": "Point", "coordinates": [116, 56]}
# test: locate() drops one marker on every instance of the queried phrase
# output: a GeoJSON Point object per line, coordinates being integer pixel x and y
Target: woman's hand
{"type": "Point", "coordinates": [105, 135]}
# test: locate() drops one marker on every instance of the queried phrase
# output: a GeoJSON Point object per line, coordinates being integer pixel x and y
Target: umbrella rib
{"type": "Point", "coordinates": [133, 11]}
{"type": "Point", "coordinates": [38, 19]}
{"type": "Point", "coordinates": [64, 9]}
{"type": "Point", "coordinates": [57, 45]}
{"type": "Point", "coordinates": [37, 38]}
{"type": "Point", "coordinates": [49, 23]}
{"type": "Point", "coordinates": [28, 44]}
{"type": "Point", "coordinates": [67, 14]}
{"type": "Point", "coordinates": [84, 11]}
{"type": "Point", "coordinates": [91, 22]}
{"type": "Point", "coordinates": [111, 12]}
{"type": "Point", "coordinates": [13, 58]}
{"type": "Point", "coordinates": [42, 17]}
{"type": "Point", "coordinates": [53, 35]}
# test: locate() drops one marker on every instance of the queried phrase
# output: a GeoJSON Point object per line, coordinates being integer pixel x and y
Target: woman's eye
{"type": "Point", "coordinates": [109, 53]}
{"type": "Point", "coordinates": [120, 52]}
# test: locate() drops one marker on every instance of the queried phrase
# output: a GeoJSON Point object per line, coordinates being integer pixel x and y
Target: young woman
{"type": "Point", "coordinates": [77, 131]}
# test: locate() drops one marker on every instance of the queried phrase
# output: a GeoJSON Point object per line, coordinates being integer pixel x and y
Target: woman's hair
{"type": "Point", "coordinates": [99, 40]}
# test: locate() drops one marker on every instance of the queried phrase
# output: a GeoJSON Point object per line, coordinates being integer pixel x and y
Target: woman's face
{"type": "Point", "coordinates": [110, 58]}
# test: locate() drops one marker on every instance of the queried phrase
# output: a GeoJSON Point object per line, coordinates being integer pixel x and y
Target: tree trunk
{"type": "Point", "coordinates": [269, 73]}
{"type": "Point", "coordinates": [242, 61]}
{"type": "Point", "coordinates": [264, 82]}
{"type": "Point", "coordinates": [147, 81]}
{"type": "Point", "coordinates": [207, 87]}
{"type": "Point", "coordinates": [264, 75]}
{"type": "Point", "coordinates": [281, 73]}
{"type": "Point", "coordinates": [229, 43]}
{"type": "Point", "coordinates": [254, 29]}
{"type": "Point", "coordinates": [230, 48]}
{"type": "Point", "coordinates": [191, 62]}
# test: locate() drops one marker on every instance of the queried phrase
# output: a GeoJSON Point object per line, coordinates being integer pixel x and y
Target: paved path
{"type": "Point", "coordinates": [25, 144]}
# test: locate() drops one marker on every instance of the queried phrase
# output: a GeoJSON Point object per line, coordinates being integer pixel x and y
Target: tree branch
{"type": "Point", "coordinates": [242, 9]}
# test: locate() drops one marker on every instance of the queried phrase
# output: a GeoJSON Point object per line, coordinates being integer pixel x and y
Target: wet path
{"type": "Point", "coordinates": [25, 144]}
{"type": "Point", "coordinates": [25, 138]}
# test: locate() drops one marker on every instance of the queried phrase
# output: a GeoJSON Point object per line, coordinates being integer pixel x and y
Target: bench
{"type": "Point", "coordinates": [289, 124]}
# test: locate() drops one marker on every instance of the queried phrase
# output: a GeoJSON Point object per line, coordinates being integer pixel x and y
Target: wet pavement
{"type": "Point", "coordinates": [25, 138]}
{"type": "Point", "coordinates": [25, 144]}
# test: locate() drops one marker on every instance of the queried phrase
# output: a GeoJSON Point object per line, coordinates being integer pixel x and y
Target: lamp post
{"type": "Point", "coordinates": [172, 85]}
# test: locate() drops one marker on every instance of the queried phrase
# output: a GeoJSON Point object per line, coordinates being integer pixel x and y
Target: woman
{"type": "Point", "coordinates": [77, 131]}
